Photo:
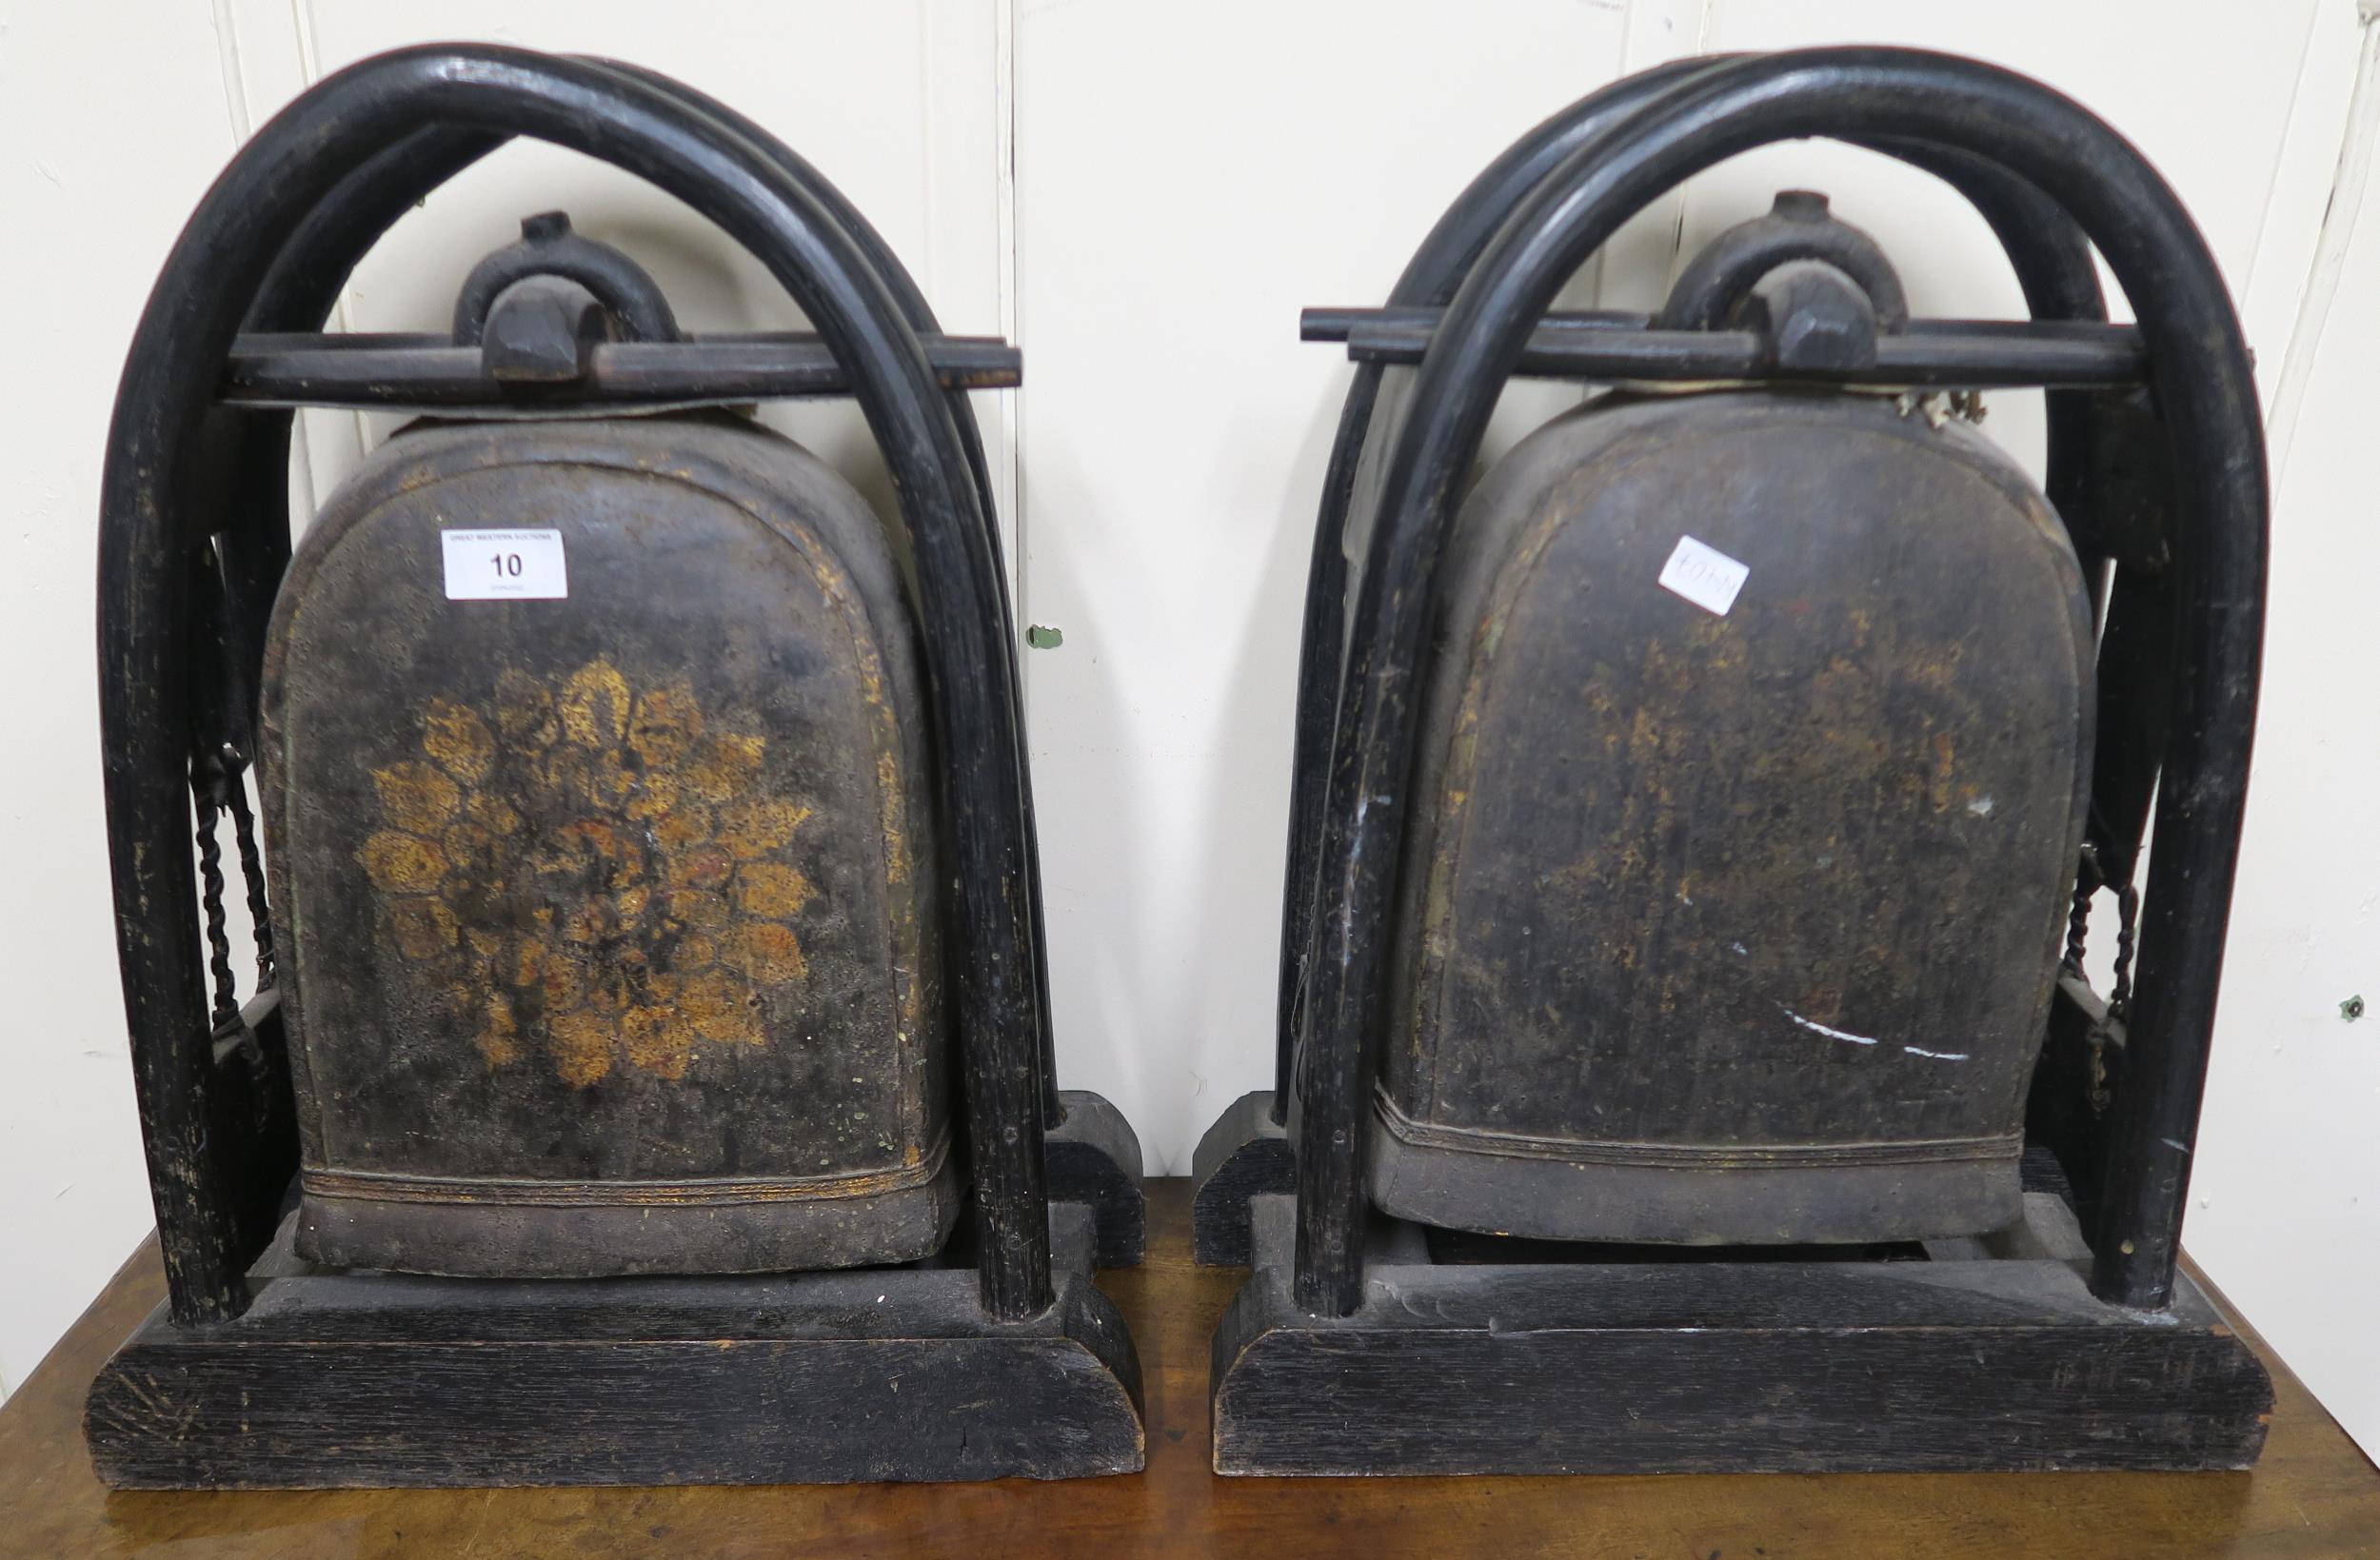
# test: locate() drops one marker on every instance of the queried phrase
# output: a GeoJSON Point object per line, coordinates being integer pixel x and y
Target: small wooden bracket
{"type": "Point", "coordinates": [1244, 1155]}
{"type": "Point", "coordinates": [1093, 1158]}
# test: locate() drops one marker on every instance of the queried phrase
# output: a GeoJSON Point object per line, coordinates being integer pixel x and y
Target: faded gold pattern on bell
{"type": "Point", "coordinates": [590, 876]}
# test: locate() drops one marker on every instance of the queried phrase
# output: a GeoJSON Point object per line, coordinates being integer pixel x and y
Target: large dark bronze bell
{"type": "Point", "coordinates": [596, 790]}
{"type": "Point", "coordinates": [613, 911]}
{"type": "Point", "coordinates": [1749, 786]}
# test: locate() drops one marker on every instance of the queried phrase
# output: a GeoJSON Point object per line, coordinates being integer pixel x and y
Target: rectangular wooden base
{"type": "Point", "coordinates": [1975, 1363]}
{"type": "Point", "coordinates": [347, 1379]}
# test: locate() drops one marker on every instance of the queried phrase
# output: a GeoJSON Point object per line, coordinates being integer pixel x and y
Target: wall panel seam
{"type": "Point", "coordinates": [1012, 419]}
{"type": "Point", "coordinates": [2348, 176]}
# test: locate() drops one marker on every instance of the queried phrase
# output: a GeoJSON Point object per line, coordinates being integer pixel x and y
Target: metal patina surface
{"type": "Point", "coordinates": [1736, 926]}
{"type": "Point", "coordinates": [611, 917]}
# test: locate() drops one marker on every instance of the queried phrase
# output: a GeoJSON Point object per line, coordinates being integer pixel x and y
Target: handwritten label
{"type": "Point", "coordinates": [505, 566]}
{"type": "Point", "coordinates": [1704, 576]}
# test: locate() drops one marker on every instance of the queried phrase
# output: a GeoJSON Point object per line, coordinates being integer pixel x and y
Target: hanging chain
{"type": "Point", "coordinates": [251, 867]}
{"type": "Point", "coordinates": [209, 788]}
{"type": "Point", "coordinates": [2127, 938]}
{"type": "Point", "coordinates": [219, 785]}
{"type": "Point", "coordinates": [2108, 1027]}
{"type": "Point", "coordinates": [2077, 928]}
{"type": "Point", "coordinates": [2089, 880]}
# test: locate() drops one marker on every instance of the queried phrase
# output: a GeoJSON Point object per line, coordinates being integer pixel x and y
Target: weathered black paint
{"type": "Point", "coordinates": [1094, 1160]}
{"type": "Point", "coordinates": [1346, 1353]}
{"type": "Point", "coordinates": [1930, 354]}
{"type": "Point", "coordinates": [1244, 1155]}
{"type": "Point", "coordinates": [1713, 289]}
{"type": "Point", "coordinates": [431, 373]}
{"type": "Point", "coordinates": [547, 247]}
{"type": "Point", "coordinates": [161, 443]}
{"type": "Point", "coordinates": [298, 208]}
{"type": "Point", "coordinates": [1996, 1363]}
{"type": "Point", "coordinates": [329, 1382]}
{"type": "Point", "coordinates": [2198, 369]}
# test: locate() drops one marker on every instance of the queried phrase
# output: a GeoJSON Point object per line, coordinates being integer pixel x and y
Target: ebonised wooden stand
{"type": "Point", "coordinates": [1976, 1356]}
{"type": "Point", "coordinates": [338, 1380]}
{"type": "Point", "coordinates": [1363, 1344]}
{"type": "Point", "coordinates": [994, 1359]}
{"type": "Point", "coordinates": [2313, 1493]}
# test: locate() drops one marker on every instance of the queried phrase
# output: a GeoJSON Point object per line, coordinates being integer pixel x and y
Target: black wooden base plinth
{"type": "Point", "coordinates": [1244, 1155]}
{"type": "Point", "coordinates": [1093, 1158]}
{"type": "Point", "coordinates": [354, 1380]}
{"type": "Point", "coordinates": [1979, 1362]}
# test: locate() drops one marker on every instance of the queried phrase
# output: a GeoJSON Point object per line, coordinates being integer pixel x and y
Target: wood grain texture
{"type": "Point", "coordinates": [1707, 1368]}
{"type": "Point", "coordinates": [373, 1379]}
{"type": "Point", "coordinates": [1523, 1362]}
{"type": "Point", "coordinates": [2312, 1494]}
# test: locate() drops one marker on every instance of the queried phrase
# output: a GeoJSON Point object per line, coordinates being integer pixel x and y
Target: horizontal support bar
{"type": "Point", "coordinates": [364, 369]}
{"type": "Point", "coordinates": [1930, 354]}
{"type": "Point", "coordinates": [1336, 324]}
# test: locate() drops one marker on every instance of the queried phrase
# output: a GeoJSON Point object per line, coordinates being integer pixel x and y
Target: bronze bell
{"type": "Point", "coordinates": [595, 791]}
{"type": "Point", "coordinates": [1748, 795]}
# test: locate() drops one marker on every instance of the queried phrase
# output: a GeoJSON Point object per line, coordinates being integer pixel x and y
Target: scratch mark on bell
{"type": "Point", "coordinates": [1818, 1028]}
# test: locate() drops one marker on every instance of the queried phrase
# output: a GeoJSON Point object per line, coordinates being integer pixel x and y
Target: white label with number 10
{"type": "Point", "coordinates": [1704, 576]}
{"type": "Point", "coordinates": [505, 566]}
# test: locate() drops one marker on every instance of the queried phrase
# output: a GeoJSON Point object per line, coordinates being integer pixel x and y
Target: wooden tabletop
{"type": "Point", "coordinates": [2313, 1493]}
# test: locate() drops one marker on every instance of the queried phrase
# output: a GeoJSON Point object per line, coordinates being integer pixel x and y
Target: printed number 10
{"type": "Point", "coordinates": [508, 565]}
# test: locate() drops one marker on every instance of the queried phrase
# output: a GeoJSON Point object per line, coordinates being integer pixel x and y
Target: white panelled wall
{"type": "Point", "coordinates": [1144, 196]}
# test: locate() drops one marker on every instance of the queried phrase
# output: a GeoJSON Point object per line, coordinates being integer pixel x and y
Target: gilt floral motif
{"type": "Point", "coordinates": [590, 877]}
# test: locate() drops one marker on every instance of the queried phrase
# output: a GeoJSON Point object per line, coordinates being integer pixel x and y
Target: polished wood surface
{"type": "Point", "coordinates": [2313, 1493]}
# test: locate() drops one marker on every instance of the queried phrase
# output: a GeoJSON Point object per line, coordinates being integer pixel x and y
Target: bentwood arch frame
{"type": "Point", "coordinates": [2158, 469]}
{"type": "Point", "coordinates": [1247, 1151]}
{"type": "Point", "coordinates": [298, 208]}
